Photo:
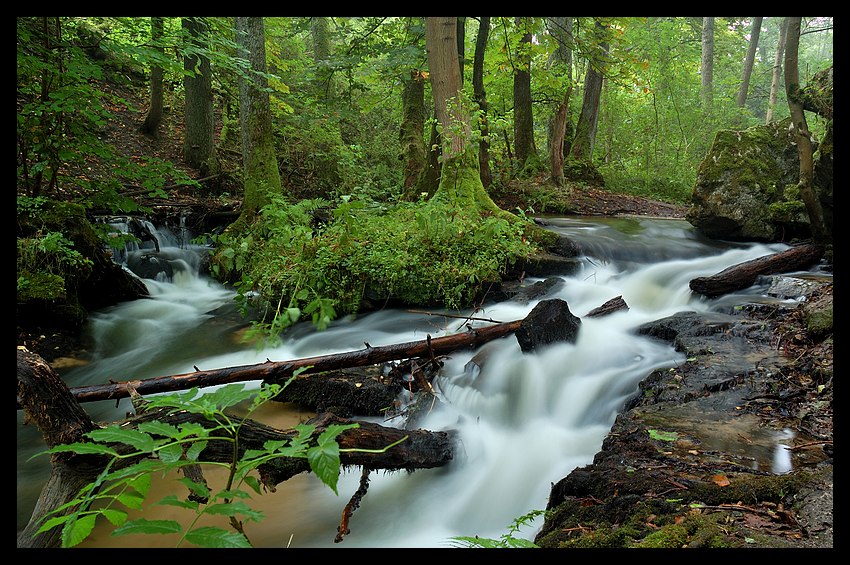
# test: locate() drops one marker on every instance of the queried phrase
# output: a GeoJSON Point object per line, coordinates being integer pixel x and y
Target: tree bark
{"type": "Point", "coordinates": [154, 115]}
{"type": "Point", "coordinates": [804, 137]}
{"type": "Point", "coordinates": [777, 69]}
{"type": "Point", "coordinates": [582, 148]}
{"type": "Point", "coordinates": [280, 372]}
{"type": "Point", "coordinates": [561, 30]}
{"type": "Point", "coordinates": [524, 147]}
{"type": "Point", "coordinates": [707, 67]}
{"type": "Point", "coordinates": [414, 154]}
{"type": "Point", "coordinates": [744, 274]}
{"type": "Point", "coordinates": [261, 173]}
{"type": "Point", "coordinates": [748, 63]}
{"type": "Point", "coordinates": [481, 98]}
{"type": "Point", "coordinates": [199, 137]}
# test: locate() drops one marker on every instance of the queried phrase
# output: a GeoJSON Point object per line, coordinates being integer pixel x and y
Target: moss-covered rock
{"type": "Point", "coordinates": [746, 187]}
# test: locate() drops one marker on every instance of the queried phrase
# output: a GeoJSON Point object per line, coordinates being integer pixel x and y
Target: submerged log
{"type": "Point", "coordinates": [613, 305]}
{"type": "Point", "coordinates": [744, 274]}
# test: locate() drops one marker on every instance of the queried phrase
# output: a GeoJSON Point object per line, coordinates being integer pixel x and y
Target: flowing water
{"type": "Point", "coordinates": [525, 420]}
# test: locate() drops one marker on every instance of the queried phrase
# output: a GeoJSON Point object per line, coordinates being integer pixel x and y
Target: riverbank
{"type": "Point", "coordinates": [731, 449]}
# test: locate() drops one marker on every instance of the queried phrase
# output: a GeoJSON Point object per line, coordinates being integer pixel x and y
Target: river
{"type": "Point", "coordinates": [525, 421]}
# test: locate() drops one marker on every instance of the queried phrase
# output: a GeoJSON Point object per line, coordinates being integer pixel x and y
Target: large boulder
{"type": "Point", "coordinates": [746, 187]}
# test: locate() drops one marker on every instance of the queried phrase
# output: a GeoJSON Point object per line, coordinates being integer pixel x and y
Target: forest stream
{"type": "Point", "coordinates": [525, 420]}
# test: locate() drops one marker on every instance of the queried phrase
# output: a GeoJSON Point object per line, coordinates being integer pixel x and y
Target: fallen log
{"type": "Point", "coordinates": [279, 372]}
{"type": "Point", "coordinates": [48, 402]}
{"type": "Point", "coordinates": [744, 274]}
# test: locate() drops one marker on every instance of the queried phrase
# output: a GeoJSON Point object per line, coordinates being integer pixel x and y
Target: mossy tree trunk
{"type": "Point", "coordinates": [804, 140]}
{"type": "Point", "coordinates": [198, 142]}
{"type": "Point", "coordinates": [414, 155]}
{"type": "Point", "coordinates": [481, 98]}
{"type": "Point", "coordinates": [460, 180]}
{"type": "Point", "coordinates": [259, 159]}
{"type": "Point", "coordinates": [524, 147]}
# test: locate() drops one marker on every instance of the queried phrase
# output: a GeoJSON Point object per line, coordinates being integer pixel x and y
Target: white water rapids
{"type": "Point", "coordinates": [525, 421]}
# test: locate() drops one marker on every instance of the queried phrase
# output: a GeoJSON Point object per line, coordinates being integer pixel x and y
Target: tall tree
{"type": "Point", "coordinates": [480, 96]}
{"type": "Point", "coordinates": [154, 115]}
{"type": "Point", "coordinates": [707, 66]}
{"type": "Point", "coordinates": [582, 149]}
{"type": "Point", "coordinates": [801, 129]}
{"type": "Point", "coordinates": [561, 29]}
{"type": "Point", "coordinates": [414, 155]}
{"type": "Point", "coordinates": [460, 181]}
{"type": "Point", "coordinates": [259, 159]}
{"type": "Point", "coordinates": [199, 138]}
{"type": "Point", "coordinates": [777, 69]}
{"type": "Point", "coordinates": [748, 62]}
{"type": "Point", "coordinates": [524, 148]}
{"type": "Point", "coordinates": [320, 32]}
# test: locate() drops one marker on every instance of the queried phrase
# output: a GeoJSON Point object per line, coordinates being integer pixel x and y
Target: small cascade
{"type": "Point", "coordinates": [155, 253]}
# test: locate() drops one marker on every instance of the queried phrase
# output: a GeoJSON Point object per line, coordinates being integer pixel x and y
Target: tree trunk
{"type": "Point", "coordinates": [524, 147]}
{"type": "Point", "coordinates": [48, 404]}
{"type": "Point", "coordinates": [261, 174]}
{"type": "Point", "coordinates": [198, 143]}
{"type": "Point", "coordinates": [154, 115]}
{"type": "Point", "coordinates": [460, 177]}
{"type": "Point", "coordinates": [320, 33]}
{"type": "Point", "coordinates": [748, 62]}
{"type": "Point", "coordinates": [804, 139]}
{"type": "Point", "coordinates": [414, 154]}
{"type": "Point", "coordinates": [481, 98]}
{"type": "Point", "coordinates": [707, 67]}
{"type": "Point", "coordinates": [582, 149]}
{"type": "Point", "coordinates": [744, 274]}
{"type": "Point", "coordinates": [777, 69]}
{"type": "Point", "coordinates": [561, 30]}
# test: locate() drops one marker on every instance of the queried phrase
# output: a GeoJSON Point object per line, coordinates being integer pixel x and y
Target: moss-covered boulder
{"type": "Point", "coordinates": [746, 188]}
{"type": "Point", "coordinates": [62, 269]}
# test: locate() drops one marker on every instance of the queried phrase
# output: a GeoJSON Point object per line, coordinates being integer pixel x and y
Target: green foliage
{"type": "Point", "coordinates": [136, 456]}
{"type": "Point", "coordinates": [508, 540]}
{"type": "Point", "coordinates": [44, 258]}
{"type": "Point", "coordinates": [290, 263]}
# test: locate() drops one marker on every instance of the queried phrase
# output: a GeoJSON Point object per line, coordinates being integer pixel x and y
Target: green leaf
{"type": "Point", "coordinates": [228, 396]}
{"type": "Point", "coordinates": [235, 509]}
{"type": "Point", "coordinates": [663, 436]}
{"type": "Point", "coordinates": [252, 482]}
{"type": "Point", "coordinates": [198, 489]}
{"type": "Point", "coordinates": [141, 484]}
{"type": "Point", "coordinates": [159, 428]}
{"type": "Point", "coordinates": [75, 531]}
{"type": "Point", "coordinates": [195, 450]}
{"type": "Point", "coordinates": [83, 449]}
{"type": "Point", "coordinates": [171, 453]}
{"type": "Point", "coordinates": [131, 500]}
{"type": "Point", "coordinates": [115, 517]}
{"type": "Point", "coordinates": [324, 461]}
{"type": "Point", "coordinates": [172, 500]}
{"type": "Point", "coordinates": [145, 526]}
{"type": "Point", "coordinates": [53, 522]}
{"type": "Point", "coordinates": [116, 434]}
{"type": "Point", "coordinates": [216, 538]}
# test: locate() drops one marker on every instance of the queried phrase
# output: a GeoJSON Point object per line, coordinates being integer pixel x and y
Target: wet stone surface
{"type": "Point", "coordinates": [733, 448]}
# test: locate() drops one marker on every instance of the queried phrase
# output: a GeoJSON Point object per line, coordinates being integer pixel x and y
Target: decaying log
{"type": "Point", "coordinates": [280, 372]}
{"type": "Point", "coordinates": [744, 274]}
{"type": "Point", "coordinates": [48, 402]}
